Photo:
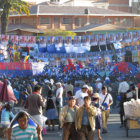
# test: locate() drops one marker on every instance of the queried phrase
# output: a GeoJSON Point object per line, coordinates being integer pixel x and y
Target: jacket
{"type": "Point", "coordinates": [63, 115]}
{"type": "Point", "coordinates": [92, 112]}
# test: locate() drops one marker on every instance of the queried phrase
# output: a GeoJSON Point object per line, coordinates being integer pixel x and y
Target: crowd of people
{"type": "Point", "coordinates": [79, 106]}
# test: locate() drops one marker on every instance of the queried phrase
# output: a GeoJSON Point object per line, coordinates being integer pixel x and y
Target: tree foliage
{"type": "Point", "coordinates": [58, 32]}
{"type": "Point", "coordinates": [14, 7]}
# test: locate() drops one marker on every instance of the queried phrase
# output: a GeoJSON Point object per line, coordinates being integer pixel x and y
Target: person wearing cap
{"type": "Point", "coordinates": [107, 101]}
{"type": "Point", "coordinates": [67, 119]}
{"type": "Point", "coordinates": [46, 87]}
{"type": "Point", "coordinates": [81, 94]}
{"type": "Point", "coordinates": [98, 85]}
{"type": "Point", "coordinates": [123, 88]}
{"type": "Point", "coordinates": [85, 118]}
{"type": "Point", "coordinates": [98, 118]}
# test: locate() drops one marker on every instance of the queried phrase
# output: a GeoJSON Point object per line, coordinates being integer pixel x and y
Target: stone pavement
{"type": "Point", "coordinates": [114, 131]}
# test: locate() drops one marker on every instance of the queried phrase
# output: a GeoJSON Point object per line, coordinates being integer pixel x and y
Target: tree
{"type": "Point", "coordinates": [13, 6]}
{"type": "Point", "coordinates": [58, 32]}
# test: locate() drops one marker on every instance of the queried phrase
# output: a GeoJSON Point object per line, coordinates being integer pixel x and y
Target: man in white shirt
{"type": "Point", "coordinates": [123, 88]}
{"type": "Point", "coordinates": [106, 101]}
{"type": "Point", "coordinates": [59, 94]}
{"type": "Point", "coordinates": [80, 94]}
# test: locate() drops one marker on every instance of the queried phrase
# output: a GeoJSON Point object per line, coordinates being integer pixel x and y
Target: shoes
{"type": "Point", "coordinates": [104, 131]}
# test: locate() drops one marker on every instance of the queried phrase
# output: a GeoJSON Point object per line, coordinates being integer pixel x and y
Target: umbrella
{"type": "Point", "coordinates": [6, 94]}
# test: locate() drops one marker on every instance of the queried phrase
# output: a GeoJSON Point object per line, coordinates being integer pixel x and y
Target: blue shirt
{"type": "Point", "coordinates": [85, 120]}
{"type": "Point", "coordinates": [5, 116]}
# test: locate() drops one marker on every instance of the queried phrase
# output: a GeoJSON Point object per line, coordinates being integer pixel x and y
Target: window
{"type": "Point", "coordinates": [15, 21]}
{"type": "Point", "coordinates": [66, 20]}
{"type": "Point", "coordinates": [107, 21]}
{"type": "Point", "coordinates": [45, 21]}
{"type": "Point", "coordinates": [56, 20]}
{"type": "Point", "coordinates": [94, 20]}
{"type": "Point", "coordinates": [83, 21]}
{"type": "Point", "coordinates": [76, 22]}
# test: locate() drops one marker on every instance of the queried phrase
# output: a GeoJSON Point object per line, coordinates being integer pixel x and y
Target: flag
{"type": "Point", "coordinates": [71, 65]}
{"type": "Point", "coordinates": [80, 65]}
{"type": "Point", "coordinates": [26, 59]}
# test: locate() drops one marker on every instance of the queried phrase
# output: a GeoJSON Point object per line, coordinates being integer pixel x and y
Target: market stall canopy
{"type": "Point", "coordinates": [23, 27]}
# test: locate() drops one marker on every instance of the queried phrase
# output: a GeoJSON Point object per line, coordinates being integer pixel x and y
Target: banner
{"type": "Point", "coordinates": [68, 44]}
{"type": "Point", "coordinates": [102, 39]}
{"type": "Point", "coordinates": [42, 44]}
{"type": "Point", "coordinates": [15, 66]}
{"type": "Point", "coordinates": [94, 40]}
{"type": "Point", "coordinates": [77, 41]}
{"type": "Point", "coordinates": [85, 44]}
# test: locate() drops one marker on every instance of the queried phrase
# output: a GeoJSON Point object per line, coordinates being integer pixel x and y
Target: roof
{"type": "Point", "coordinates": [73, 10]}
{"type": "Point", "coordinates": [23, 27]}
{"type": "Point", "coordinates": [100, 27]}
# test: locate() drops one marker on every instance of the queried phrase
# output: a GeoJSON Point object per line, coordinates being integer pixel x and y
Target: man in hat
{"type": "Point", "coordinates": [86, 120]}
{"type": "Point", "coordinates": [98, 85]}
{"type": "Point", "coordinates": [67, 119]}
{"type": "Point", "coordinates": [46, 87]}
{"type": "Point", "coordinates": [81, 94]}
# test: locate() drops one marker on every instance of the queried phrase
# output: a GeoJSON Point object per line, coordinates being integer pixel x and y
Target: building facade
{"type": "Point", "coordinates": [44, 17]}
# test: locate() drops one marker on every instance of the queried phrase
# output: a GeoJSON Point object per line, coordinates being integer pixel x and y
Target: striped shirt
{"type": "Point", "coordinates": [29, 133]}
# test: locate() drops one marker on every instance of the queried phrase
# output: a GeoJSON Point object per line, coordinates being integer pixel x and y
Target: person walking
{"type": "Point", "coordinates": [86, 120]}
{"type": "Point", "coordinates": [106, 101]}
{"type": "Point", "coordinates": [67, 119]}
{"type": "Point", "coordinates": [34, 104]}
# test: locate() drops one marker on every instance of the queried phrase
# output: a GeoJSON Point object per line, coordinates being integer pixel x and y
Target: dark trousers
{"type": "Point", "coordinates": [86, 133]}
{"type": "Point", "coordinates": [69, 132]}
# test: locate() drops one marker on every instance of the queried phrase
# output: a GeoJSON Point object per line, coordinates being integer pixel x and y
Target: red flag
{"type": "Point", "coordinates": [80, 65]}
{"type": "Point", "coordinates": [71, 65]}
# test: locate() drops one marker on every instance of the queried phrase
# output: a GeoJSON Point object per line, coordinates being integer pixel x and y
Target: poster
{"type": "Point", "coordinates": [110, 38]}
{"type": "Point", "coordinates": [31, 41]}
{"type": "Point", "coordinates": [77, 41]}
{"type": "Point", "coordinates": [94, 40]}
{"type": "Point", "coordinates": [127, 37]}
{"type": "Point", "coordinates": [102, 39]}
{"type": "Point", "coordinates": [22, 41]}
{"type": "Point", "coordinates": [135, 36]}
{"type": "Point", "coordinates": [68, 44]}
{"type": "Point", "coordinates": [14, 39]}
{"type": "Point", "coordinates": [4, 39]}
{"type": "Point", "coordinates": [119, 37]}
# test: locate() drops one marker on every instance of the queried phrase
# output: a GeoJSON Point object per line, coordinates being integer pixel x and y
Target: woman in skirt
{"type": "Point", "coordinates": [51, 111]}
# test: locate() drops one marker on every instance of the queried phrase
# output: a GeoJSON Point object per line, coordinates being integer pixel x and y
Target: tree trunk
{"type": "Point", "coordinates": [4, 21]}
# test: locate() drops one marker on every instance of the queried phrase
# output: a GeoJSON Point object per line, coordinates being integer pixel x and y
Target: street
{"type": "Point", "coordinates": [114, 131]}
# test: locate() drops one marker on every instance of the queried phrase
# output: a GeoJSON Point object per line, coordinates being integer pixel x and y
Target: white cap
{"type": "Point", "coordinates": [52, 81]}
{"type": "Point", "coordinates": [58, 83]}
{"type": "Point", "coordinates": [85, 86]}
{"type": "Point", "coordinates": [107, 78]}
{"type": "Point", "coordinates": [98, 79]}
{"type": "Point", "coordinates": [46, 81]}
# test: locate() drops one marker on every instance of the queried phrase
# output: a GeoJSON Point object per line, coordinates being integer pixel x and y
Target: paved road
{"type": "Point", "coordinates": [115, 132]}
